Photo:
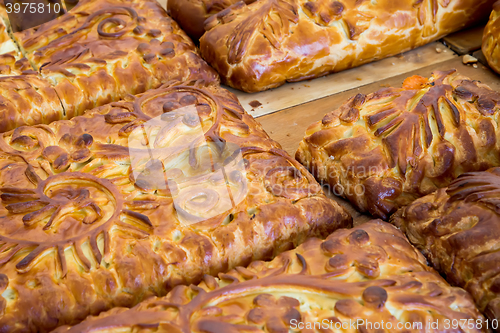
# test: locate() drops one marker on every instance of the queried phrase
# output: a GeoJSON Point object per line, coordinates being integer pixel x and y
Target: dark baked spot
{"type": "Point", "coordinates": [167, 52]}
{"type": "Point", "coordinates": [359, 237]}
{"type": "Point", "coordinates": [154, 32]}
{"type": "Point", "coordinates": [336, 8]}
{"type": "Point", "coordinates": [368, 268]}
{"type": "Point", "coordinates": [464, 93]}
{"type": "Point", "coordinates": [340, 261]}
{"type": "Point", "coordinates": [139, 30]}
{"type": "Point", "coordinates": [486, 106]}
{"type": "Point", "coordinates": [188, 100]}
{"type": "Point", "coordinates": [311, 6]}
{"type": "Point", "coordinates": [143, 48]}
{"type": "Point", "coordinates": [292, 314]}
{"type": "Point", "coordinates": [255, 104]}
{"type": "Point", "coordinates": [170, 106]}
{"type": "Point", "coordinates": [375, 297]}
{"type": "Point", "coordinates": [4, 282]}
{"type": "Point", "coordinates": [149, 58]}
{"type": "Point", "coordinates": [347, 307]}
{"type": "Point", "coordinates": [264, 300]}
{"type": "Point", "coordinates": [257, 316]}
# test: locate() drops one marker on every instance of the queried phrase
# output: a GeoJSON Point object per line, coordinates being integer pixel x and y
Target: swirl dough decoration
{"type": "Point", "coordinates": [85, 218]}
{"type": "Point", "coordinates": [97, 53]}
{"type": "Point", "coordinates": [370, 272]}
{"type": "Point", "coordinates": [457, 229]}
{"type": "Point", "coordinates": [267, 43]}
{"type": "Point", "coordinates": [399, 144]}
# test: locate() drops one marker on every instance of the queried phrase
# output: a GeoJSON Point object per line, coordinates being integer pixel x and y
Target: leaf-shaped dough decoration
{"type": "Point", "coordinates": [272, 20]}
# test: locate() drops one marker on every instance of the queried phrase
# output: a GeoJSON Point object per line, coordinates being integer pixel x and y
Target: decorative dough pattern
{"type": "Point", "coordinates": [267, 43]}
{"type": "Point", "coordinates": [368, 273]}
{"type": "Point", "coordinates": [457, 228]}
{"type": "Point", "coordinates": [100, 52]}
{"type": "Point", "coordinates": [384, 150]}
{"type": "Point", "coordinates": [84, 216]}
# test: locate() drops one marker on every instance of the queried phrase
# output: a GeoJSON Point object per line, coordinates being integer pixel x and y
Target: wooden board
{"type": "Point", "coordinates": [292, 94]}
{"type": "Point", "coordinates": [163, 3]}
{"type": "Point", "coordinates": [480, 56]}
{"type": "Point", "coordinates": [465, 41]}
{"type": "Point", "coordinates": [288, 126]}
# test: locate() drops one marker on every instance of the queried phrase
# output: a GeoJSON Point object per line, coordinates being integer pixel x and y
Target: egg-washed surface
{"type": "Point", "coordinates": [490, 46]}
{"type": "Point", "coordinates": [100, 51]}
{"type": "Point", "coordinates": [457, 228]}
{"type": "Point", "coordinates": [368, 273]}
{"type": "Point", "coordinates": [265, 44]}
{"type": "Point", "coordinates": [86, 224]}
{"type": "Point", "coordinates": [383, 150]}
{"type": "Point", "coordinates": [28, 100]}
{"type": "Point", "coordinates": [192, 14]}
{"type": "Point", "coordinates": [25, 97]}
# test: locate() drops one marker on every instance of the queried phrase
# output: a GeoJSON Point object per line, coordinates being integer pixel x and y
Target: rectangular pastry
{"type": "Point", "coordinates": [383, 150]}
{"type": "Point", "coordinates": [366, 279]}
{"type": "Point", "coordinates": [27, 100]}
{"type": "Point", "coordinates": [138, 196]}
{"type": "Point", "coordinates": [458, 230]}
{"type": "Point", "coordinates": [103, 50]}
{"type": "Point", "coordinates": [269, 42]}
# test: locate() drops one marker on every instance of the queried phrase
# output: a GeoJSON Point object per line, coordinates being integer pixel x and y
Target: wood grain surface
{"type": "Point", "coordinates": [465, 41]}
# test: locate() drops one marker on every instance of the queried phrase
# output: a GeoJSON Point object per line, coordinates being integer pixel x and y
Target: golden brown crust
{"type": "Point", "coordinates": [458, 229]}
{"type": "Point", "coordinates": [27, 100]}
{"type": "Point", "coordinates": [384, 150]}
{"type": "Point", "coordinates": [103, 50]}
{"type": "Point", "coordinates": [490, 47]}
{"type": "Point", "coordinates": [267, 43]}
{"type": "Point", "coordinates": [79, 223]}
{"type": "Point", "coordinates": [370, 272]}
{"type": "Point", "coordinates": [192, 14]}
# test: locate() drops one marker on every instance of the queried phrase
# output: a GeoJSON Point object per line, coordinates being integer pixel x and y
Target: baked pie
{"type": "Point", "coordinates": [457, 228]}
{"type": "Point", "coordinates": [269, 42]}
{"type": "Point", "coordinates": [386, 149]}
{"type": "Point", "coordinates": [138, 196]}
{"type": "Point", "coordinates": [103, 50]}
{"type": "Point", "coordinates": [366, 279]}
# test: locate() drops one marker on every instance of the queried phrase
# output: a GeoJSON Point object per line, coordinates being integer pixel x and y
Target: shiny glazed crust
{"type": "Point", "coordinates": [370, 272]}
{"type": "Point", "coordinates": [81, 232]}
{"type": "Point", "coordinates": [490, 47]}
{"type": "Point", "coordinates": [458, 229]}
{"type": "Point", "coordinates": [103, 50]}
{"type": "Point", "coordinates": [27, 100]}
{"type": "Point", "coordinates": [192, 14]}
{"type": "Point", "coordinates": [384, 150]}
{"type": "Point", "coordinates": [267, 43]}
